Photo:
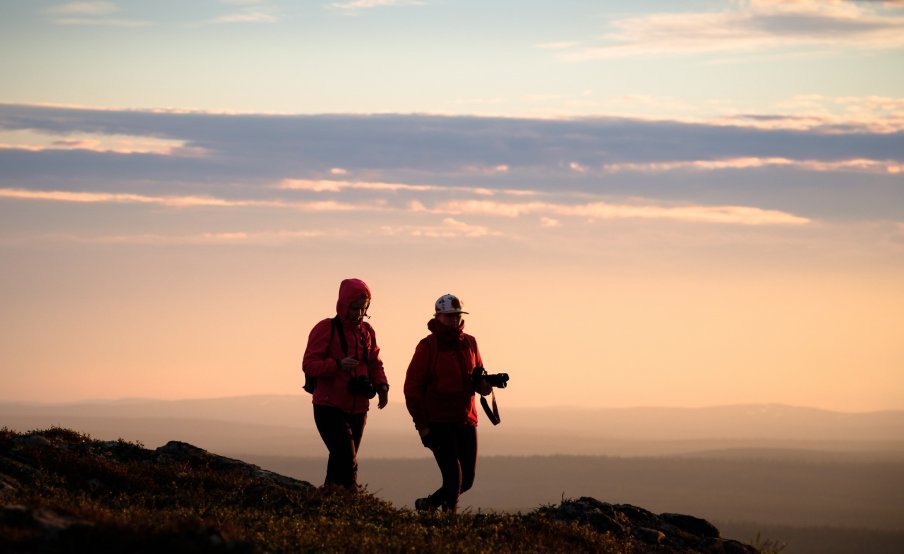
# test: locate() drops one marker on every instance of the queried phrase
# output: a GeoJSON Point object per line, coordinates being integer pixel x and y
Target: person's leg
{"type": "Point", "coordinates": [337, 436]}
{"type": "Point", "coordinates": [467, 455]}
{"type": "Point", "coordinates": [443, 443]}
{"type": "Point", "coordinates": [356, 423]}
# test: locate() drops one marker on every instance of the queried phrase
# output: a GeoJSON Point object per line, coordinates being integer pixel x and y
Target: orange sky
{"type": "Point", "coordinates": [624, 325]}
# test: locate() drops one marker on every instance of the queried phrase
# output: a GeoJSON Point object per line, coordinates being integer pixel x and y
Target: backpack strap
{"type": "Point", "coordinates": [337, 325]}
{"type": "Point", "coordinates": [310, 383]}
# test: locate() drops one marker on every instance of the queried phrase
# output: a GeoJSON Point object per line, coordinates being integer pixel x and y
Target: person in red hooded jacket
{"type": "Point", "coordinates": [439, 394]}
{"type": "Point", "coordinates": [341, 352]}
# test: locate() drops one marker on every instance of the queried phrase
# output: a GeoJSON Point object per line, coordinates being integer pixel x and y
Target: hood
{"type": "Point", "coordinates": [443, 332]}
{"type": "Point", "coordinates": [349, 291]}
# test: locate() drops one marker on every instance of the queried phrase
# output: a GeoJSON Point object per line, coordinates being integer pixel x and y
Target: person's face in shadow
{"type": "Point", "coordinates": [357, 310]}
{"type": "Point", "coordinates": [449, 320]}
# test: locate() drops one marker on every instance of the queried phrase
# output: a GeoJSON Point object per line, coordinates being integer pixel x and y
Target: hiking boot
{"type": "Point", "coordinates": [424, 505]}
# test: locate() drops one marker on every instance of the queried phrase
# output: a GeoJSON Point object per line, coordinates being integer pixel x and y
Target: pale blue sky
{"type": "Point", "coordinates": [682, 203]}
{"type": "Point", "coordinates": [672, 59]}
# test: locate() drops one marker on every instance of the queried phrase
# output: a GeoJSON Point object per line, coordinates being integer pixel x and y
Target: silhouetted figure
{"type": "Point", "coordinates": [439, 393]}
{"type": "Point", "coordinates": [343, 371]}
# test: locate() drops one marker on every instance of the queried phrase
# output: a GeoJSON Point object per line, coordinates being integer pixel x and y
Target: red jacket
{"type": "Point", "coordinates": [438, 387]}
{"type": "Point", "coordinates": [321, 357]}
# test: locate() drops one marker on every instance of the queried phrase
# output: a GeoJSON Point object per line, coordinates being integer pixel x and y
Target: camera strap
{"type": "Point", "coordinates": [492, 414]}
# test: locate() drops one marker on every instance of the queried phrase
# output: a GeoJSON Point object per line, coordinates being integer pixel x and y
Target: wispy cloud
{"type": "Point", "coordinates": [547, 211]}
{"type": "Point", "coordinates": [249, 11]}
{"type": "Point", "coordinates": [158, 239]}
{"type": "Point", "coordinates": [329, 185]}
{"type": "Point", "coordinates": [751, 25]}
{"type": "Point", "coordinates": [180, 201]}
{"type": "Point", "coordinates": [413, 164]}
{"type": "Point", "coordinates": [358, 5]}
{"type": "Point", "coordinates": [246, 17]}
{"type": "Point", "coordinates": [83, 8]}
{"type": "Point", "coordinates": [733, 215]}
{"type": "Point", "coordinates": [450, 228]}
{"type": "Point", "coordinates": [860, 164]}
{"type": "Point", "coordinates": [326, 185]}
{"type": "Point", "coordinates": [96, 142]}
{"type": "Point", "coordinates": [90, 13]}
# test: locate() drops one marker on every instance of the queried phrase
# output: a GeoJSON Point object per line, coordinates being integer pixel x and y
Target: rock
{"type": "Point", "coordinates": [184, 452]}
{"type": "Point", "coordinates": [50, 521]}
{"type": "Point", "coordinates": [667, 532]}
{"type": "Point", "coordinates": [8, 484]}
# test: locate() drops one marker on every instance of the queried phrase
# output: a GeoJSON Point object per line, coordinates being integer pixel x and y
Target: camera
{"type": "Point", "coordinates": [361, 385]}
{"type": "Point", "coordinates": [497, 380]}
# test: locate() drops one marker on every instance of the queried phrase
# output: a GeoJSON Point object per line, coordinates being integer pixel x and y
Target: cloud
{"type": "Point", "coordinates": [278, 237]}
{"type": "Point", "coordinates": [250, 11]}
{"type": "Point", "coordinates": [860, 164]}
{"type": "Point", "coordinates": [733, 215]}
{"type": "Point", "coordinates": [329, 185]}
{"type": "Point", "coordinates": [450, 228]}
{"type": "Point", "coordinates": [96, 142]}
{"type": "Point", "coordinates": [391, 162]}
{"type": "Point", "coordinates": [89, 13]}
{"type": "Point", "coordinates": [325, 185]}
{"type": "Point", "coordinates": [357, 5]}
{"type": "Point", "coordinates": [83, 8]}
{"type": "Point", "coordinates": [178, 201]}
{"type": "Point", "coordinates": [751, 25]}
{"type": "Point", "coordinates": [246, 17]}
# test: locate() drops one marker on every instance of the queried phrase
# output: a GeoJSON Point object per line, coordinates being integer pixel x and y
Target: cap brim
{"type": "Point", "coordinates": [453, 312]}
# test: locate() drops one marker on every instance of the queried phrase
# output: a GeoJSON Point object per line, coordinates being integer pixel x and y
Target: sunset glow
{"type": "Point", "coordinates": [679, 204]}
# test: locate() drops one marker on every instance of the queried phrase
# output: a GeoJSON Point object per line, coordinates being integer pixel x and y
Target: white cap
{"type": "Point", "coordinates": [449, 304]}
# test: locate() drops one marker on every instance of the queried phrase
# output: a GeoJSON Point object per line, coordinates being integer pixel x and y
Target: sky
{"type": "Point", "coordinates": [654, 203]}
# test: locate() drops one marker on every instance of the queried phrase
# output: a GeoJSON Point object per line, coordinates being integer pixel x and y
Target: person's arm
{"type": "Point", "coordinates": [483, 387]}
{"type": "Point", "coordinates": [416, 385]}
{"type": "Point", "coordinates": [375, 369]}
{"type": "Point", "coordinates": [317, 361]}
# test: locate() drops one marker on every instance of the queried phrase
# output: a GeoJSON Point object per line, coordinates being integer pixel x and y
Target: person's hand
{"type": "Point", "coordinates": [424, 432]}
{"type": "Point", "coordinates": [383, 393]}
{"type": "Point", "coordinates": [484, 388]}
{"type": "Point", "coordinates": [348, 364]}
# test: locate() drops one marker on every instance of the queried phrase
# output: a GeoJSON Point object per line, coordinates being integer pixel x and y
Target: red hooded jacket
{"type": "Point", "coordinates": [438, 386]}
{"type": "Point", "coordinates": [322, 356]}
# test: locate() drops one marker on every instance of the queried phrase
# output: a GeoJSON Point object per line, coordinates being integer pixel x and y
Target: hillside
{"type": "Point", "coordinates": [62, 491]}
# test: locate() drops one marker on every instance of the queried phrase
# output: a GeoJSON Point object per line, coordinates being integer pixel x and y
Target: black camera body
{"type": "Point", "coordinates": [361, 385]}
{"type": "Point", "coordinates": [497, 380]}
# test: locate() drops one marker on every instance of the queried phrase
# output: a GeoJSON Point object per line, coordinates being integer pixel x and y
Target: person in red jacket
{"type": "Point", "coordinates": [439, 394]}
{"type": "Point", "coordinates": [343, 369]}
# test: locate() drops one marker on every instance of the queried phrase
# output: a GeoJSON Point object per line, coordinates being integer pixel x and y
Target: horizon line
{"type": "Point", "coordinates": [141, 399]}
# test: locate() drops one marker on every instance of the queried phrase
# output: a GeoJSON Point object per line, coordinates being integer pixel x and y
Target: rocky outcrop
{"type": "Point", "coordinates": [61, 491]}
{"type": "Point", "coordinates": [662, 533]}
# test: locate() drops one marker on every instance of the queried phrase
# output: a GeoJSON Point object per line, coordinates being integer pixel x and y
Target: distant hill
{"type": "Point", "coordinates": [61, 491]}
{"type": "Point", "coordinates": [283, 425]}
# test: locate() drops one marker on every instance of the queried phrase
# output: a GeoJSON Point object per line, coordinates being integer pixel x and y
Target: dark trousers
{"type": "Point", "coordinates": [341, 433]}
{"type": "Point", "coordinates": [454, 446]}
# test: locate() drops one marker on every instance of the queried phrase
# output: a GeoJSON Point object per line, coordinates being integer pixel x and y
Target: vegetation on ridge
{"type": "Point", "coordinates": [63, 491]}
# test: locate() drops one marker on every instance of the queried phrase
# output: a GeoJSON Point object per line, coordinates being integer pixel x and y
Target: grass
{"type": "Point", "coordinates": [126, 498]}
